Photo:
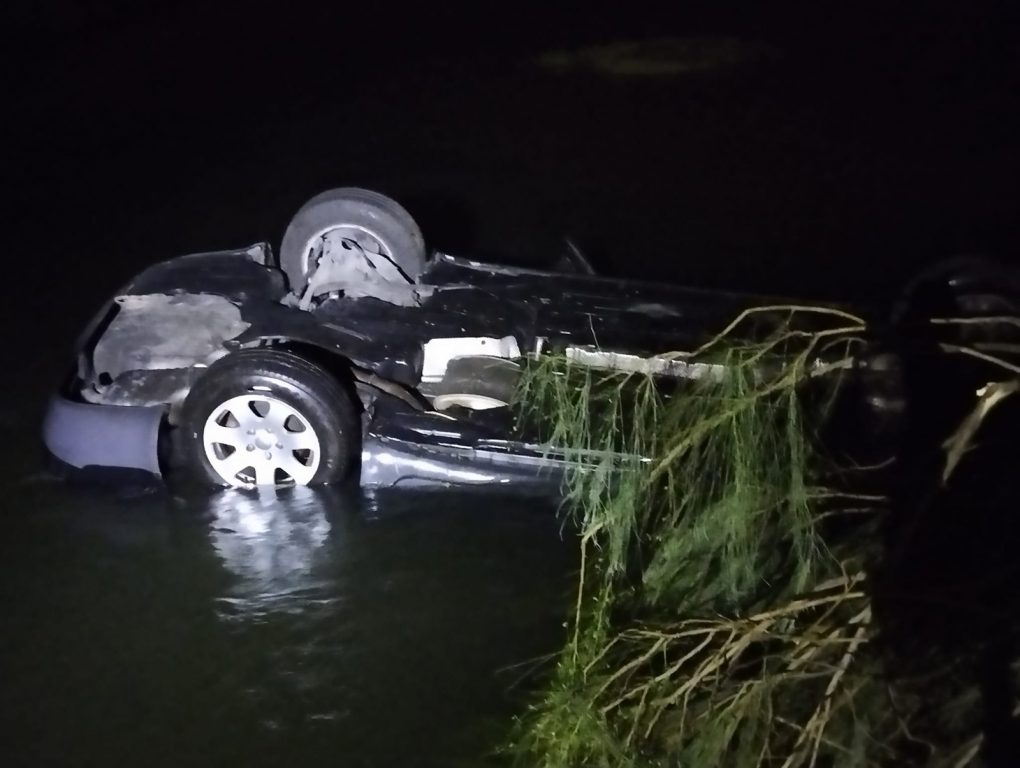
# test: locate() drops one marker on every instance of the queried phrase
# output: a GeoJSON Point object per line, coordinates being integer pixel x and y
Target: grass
{"type": "Point", "coordinates": [722, 614]}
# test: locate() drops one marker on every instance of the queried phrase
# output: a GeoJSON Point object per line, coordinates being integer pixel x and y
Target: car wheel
{"type": "Point", "coordinates": [375, 222]}
{"type": "Point", "coordinates": [955, 287]}
{"type": "Point", "coordinates": [261, 417]}
{"type": "Point", "coordinates": [968, 287]}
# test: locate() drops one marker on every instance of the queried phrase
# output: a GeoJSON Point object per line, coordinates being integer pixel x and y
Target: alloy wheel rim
{"type": "Point", "coordinates": [368, 240]}
{"type": "Point", "coordinates": [255, 439]}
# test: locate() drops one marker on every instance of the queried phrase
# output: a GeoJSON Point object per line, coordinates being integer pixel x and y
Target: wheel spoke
{"type": "Point", "coordinates": [265, 472]}
{"type": "Point", "coordinates": [299, 441]}
{"type": "Point", "coordinates": [218, 434]}
{"type": "Point", "coordinates": [229, 467]}
{"type": "Point", "coordinates": [276, 417]}
{"type": "Point", "coordinates": [301, 473]}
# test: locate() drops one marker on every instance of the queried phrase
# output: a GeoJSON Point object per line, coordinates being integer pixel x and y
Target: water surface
{"type": "Point", "coordinates": [302, 627]}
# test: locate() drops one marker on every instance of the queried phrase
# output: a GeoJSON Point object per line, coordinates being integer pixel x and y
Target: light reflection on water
{"type": "Point", "coordinates": [271, 543]}
{"type": "Point", "coordinates": [267, 629]}
{"type": "Point", "coordinates": [285, 597]}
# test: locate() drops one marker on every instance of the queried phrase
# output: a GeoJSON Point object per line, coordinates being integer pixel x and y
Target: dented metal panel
{"type": "Point", "coordinates": [166, 331]}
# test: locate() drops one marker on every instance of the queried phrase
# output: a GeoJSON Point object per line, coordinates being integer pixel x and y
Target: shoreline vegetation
{"type": "Point", "coordinates": [729, 607]}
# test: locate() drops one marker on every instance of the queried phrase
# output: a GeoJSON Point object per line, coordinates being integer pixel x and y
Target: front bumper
{"type": "Point", "coordinates": [89, 435]}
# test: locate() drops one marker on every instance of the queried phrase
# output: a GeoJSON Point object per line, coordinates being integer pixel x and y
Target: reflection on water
{"type": "Point", "coordinates": [284, 597]}
{"type": "Point", "coordinates": [270, 541]}
{"type": "Point", "coordinates": [302, 627]}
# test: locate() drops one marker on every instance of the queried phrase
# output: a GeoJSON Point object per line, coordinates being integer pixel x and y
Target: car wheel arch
{"type": "Point", "coordinates": [360, 381]}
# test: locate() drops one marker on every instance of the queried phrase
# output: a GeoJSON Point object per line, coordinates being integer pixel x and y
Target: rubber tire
{"type": "Point", "coordinates": [930, 292]}
{"type": "Point", "coordinates": [983, 287]}
{"type": "Point", "coordinates": [384, 217]}
{"type": "Point", "coordinates": [316, 394]}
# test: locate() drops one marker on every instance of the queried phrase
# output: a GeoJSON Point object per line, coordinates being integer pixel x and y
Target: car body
{"type": "Point", "coordinates": [430, 364]}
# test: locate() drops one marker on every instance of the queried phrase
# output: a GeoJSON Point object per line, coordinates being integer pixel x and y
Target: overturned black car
{"type": "Point", "coordinates": [355, 353]}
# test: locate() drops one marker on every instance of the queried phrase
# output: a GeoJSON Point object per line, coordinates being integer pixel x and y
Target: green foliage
{"type": "Point", "coordinates": [716, 621]}
{"type": "Point", "coordinates": [705, 485]}
{"type": "Point", "coordinates": [723, 616]}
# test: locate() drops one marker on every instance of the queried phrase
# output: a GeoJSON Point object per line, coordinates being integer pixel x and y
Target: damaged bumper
{"type": "Point", "coordinates": [84, 435]}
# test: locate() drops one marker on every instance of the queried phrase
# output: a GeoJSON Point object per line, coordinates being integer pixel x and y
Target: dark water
{"type": "Point", "coordinates": [305, 628]}
{"type": "Point", "coordinates": [323, 629]}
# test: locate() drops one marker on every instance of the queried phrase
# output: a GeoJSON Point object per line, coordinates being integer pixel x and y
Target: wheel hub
{"type": "Point", "coordinates": [264, 439]}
